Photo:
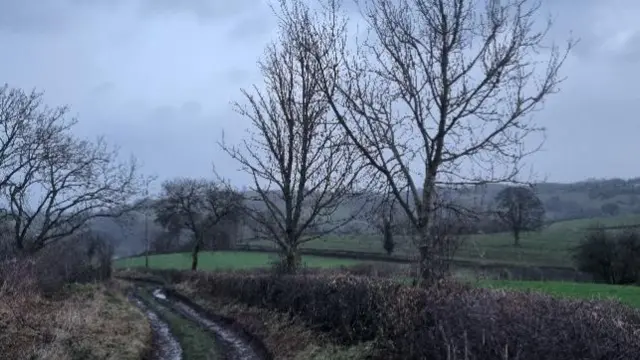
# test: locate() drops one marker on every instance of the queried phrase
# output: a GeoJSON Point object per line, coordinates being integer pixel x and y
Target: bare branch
{"type": "Point", "coordinates": [197, 205]}
{"type": "Point", "coordinates": [55, 183]}
{"type": "Point", "coordinates": [439, 95]}
{"type": "Point", "coordinates": [302, 164]}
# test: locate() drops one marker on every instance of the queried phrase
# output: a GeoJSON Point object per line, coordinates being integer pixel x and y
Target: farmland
{"type": "Point", "coordinates": [232, 293]}
{"type": "Point", "coordinates": [248, 260]}
{"type": "Point", "coordinates": [549, 247]}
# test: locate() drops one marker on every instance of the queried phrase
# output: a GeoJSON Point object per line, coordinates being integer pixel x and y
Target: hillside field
{"type": "Point", "coordinates": [549, 247]}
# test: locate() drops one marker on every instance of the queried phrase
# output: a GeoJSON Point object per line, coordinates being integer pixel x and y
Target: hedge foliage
{"type": "Point", "coordinates": [449, 321]}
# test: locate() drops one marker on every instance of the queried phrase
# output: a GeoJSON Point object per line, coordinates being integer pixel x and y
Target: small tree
{"type": "Point", "coordinates": [520, 209]}
{"type": "Point", "coordinates": [382, 217]}
{"type": "Point", "coordinates": [197, 205]}
{"type": "Point", "coordinates": [611, 209]}
{"type": "Point", "coordinates": [609, 256]}
{"type": "Point", "coordinates": [388, 243]}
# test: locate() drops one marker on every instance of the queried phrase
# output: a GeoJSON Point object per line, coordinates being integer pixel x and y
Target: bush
{"type": "Point", "coordinates": [446, 321]}
{"type": "Point", "coordinates": [612, 257]}
{"type": "Point", "coordinates": [83, 259]}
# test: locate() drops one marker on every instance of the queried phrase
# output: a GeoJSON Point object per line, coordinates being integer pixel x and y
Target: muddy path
{"type": "Point", "coordinates": [164, 345]}
{"type": "Point", "coordinates": [231, 340]}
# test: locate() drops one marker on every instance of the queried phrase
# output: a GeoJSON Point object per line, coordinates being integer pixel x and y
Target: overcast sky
{"type": "Point", "coordinates": [157, 76]}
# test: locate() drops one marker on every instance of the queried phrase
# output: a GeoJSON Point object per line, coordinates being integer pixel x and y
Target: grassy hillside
{"type": "Point", "coordinates": [548, 247]}
{"type": "Point", "coordinates": [581, 200]}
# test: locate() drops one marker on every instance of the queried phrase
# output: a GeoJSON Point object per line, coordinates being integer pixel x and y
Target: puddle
{"type": "Point", "coordinates": [237, 347]}
{"type": "Point", "coordinates": [157, 293]}
{"type": "Point", "coordinates": [165, 346]}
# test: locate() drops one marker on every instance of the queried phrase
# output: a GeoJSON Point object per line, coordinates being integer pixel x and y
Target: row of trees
{"type": "Point", "coordinates": [438, 95]}
{"type": "Point", "coordinates": [516, 209]}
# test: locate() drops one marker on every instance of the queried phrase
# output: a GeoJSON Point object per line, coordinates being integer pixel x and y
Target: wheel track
{"type": "Point", "coordinates": [235, 343]}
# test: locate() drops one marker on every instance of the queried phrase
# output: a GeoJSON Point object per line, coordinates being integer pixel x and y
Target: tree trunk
{"type": "Point", "coordinates": [425, 266]}
{"type": "Point", "coordinates": [516, 238]}
{"type": "Point", "coordinates": [291, 260]}
{"type": "Point", "coordinates": [194, 255]}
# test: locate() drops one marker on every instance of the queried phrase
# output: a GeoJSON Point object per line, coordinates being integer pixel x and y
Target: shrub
{"type": "Point", "coordinates": [83, 259]}
{"type": "Point", "coordinates": [613, 257]}
{"type": "Point", "coordinates": [445, 321]}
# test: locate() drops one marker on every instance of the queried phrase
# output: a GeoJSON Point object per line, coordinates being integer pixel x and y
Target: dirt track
{"type": "Point", "coordinates": [233, 343]}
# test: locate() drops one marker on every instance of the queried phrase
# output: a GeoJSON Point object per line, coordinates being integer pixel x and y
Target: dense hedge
{"type": "Point", "coordinates": [449, 321]}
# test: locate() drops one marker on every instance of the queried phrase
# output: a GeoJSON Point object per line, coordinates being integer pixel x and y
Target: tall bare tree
{"type": "Point", "coordinates": [53, 182]}
{"type": "Point", "coordinates": [196, 205]}
{"type": "Point", "coordinates": [301, 162]}
{"type": "Point", "coordinates": [438, 95]}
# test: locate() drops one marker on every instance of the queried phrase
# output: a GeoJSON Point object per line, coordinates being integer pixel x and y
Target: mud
{"type": "Point", "coordinates": [236, 347]}
{"type": "Point", "coordinates": [165, 346]}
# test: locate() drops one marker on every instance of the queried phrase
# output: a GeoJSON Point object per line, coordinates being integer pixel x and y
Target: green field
{"type": "Point", "coordinates": [549, 247]}
{"type": "Point", "coordinates": [629, 295]}
{"type": "Point", "coordinates": [247, 260]}
{"type": "Point", "coordinates": [221, 260]}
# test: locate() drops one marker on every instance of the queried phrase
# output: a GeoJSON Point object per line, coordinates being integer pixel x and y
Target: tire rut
{"type": "Point", "coordinates": [164, 345]}
{"type": "Point", "coordinates": [233, 343]}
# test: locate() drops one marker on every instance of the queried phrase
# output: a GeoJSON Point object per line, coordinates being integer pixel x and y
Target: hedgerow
{"type": "Point", "coordinates": [445, 321]}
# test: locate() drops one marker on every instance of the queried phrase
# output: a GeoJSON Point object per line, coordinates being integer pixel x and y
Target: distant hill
{"type": "Point", "coordinates": [563, 201]}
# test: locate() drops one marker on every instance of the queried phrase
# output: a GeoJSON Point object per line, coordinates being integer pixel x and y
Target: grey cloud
{"type": "Point", "coordinates": [202, 9]}
{"type": "Point", "coordinates": [170, 140]}
{"type": "Point", "coordinates": [54, 16]}
{"type": "Point", "coordinates": [168, 106]}
{"type": "Point", "coordinates": [34, 16]}
{"type": "Point", "coordinates": [103, 89]}
{"type": "Point", "coordinates": [251, 25]}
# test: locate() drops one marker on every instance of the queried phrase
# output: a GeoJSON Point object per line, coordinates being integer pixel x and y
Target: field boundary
{"type": "Point", "coordinates": [370, 256]}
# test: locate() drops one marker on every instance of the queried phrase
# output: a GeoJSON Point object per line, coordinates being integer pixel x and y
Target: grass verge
{"type": "Point", "coordinates": [82, 322]}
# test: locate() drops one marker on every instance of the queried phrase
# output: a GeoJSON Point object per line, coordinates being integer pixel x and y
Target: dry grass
{"type": "Point", "coordinates": [286, 337]}
{"type": "Point", "coordinates": [83, 322]}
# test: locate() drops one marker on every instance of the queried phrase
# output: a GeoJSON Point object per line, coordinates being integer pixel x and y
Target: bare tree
{"type": "Point", "coordinates": [196, 205]}
{"type": "Point", "coordinates": [302, 164]}
{"type": "Point", "coordinates": [520, 209]}
{"type": "Point", "coordinates": [26, 125]}
{"type": "Point", "coordinates": [54, 182]}
{"type": "Point", "coordinates": [68, 184]}
{"type": "Point", "coordinates": [438, 95]}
